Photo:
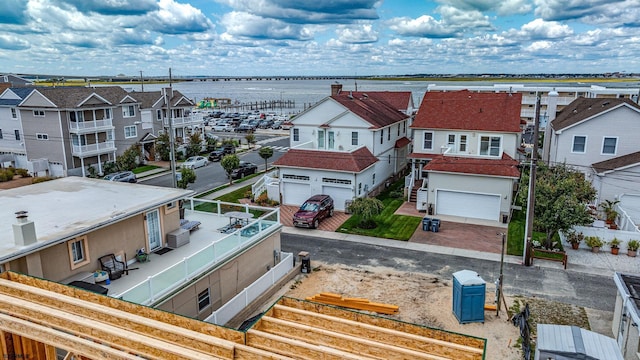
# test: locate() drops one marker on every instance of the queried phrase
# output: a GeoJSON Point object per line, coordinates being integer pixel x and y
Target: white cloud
{"type": "Point", "coordinates": [423, 26]}
{"type": "Point", "coordinates": [470, 20]}
{"type": "Point", "coordinates": [357, 34]}
{"type": "Point", "coordinates": [573, 9]}
{"type": "Point", "coordinates": [540, 29]}
{"type": "Point", "coordinates": [504, 7]}
{"type": "Point", "coordinates": [251, 26]}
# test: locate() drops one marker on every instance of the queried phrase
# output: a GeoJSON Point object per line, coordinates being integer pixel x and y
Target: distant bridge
{"type": "Point", "coordinates": [137, 79]}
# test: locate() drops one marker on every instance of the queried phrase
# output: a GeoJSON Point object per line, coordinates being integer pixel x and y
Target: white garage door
{"type": "Point", "coordinates": [479, 206]}
{"type": "Point", "coordinates": [295, 193]}
{"type": "Point", "coordinates": [339, 195]}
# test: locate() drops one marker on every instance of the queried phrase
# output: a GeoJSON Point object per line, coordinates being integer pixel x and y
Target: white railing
{"type": "Point", "coordinates": [93, 148]}
{"type": "Point", "coordinates": [261, 185]}
{"type": "Point", "coordinates": [171, 278]}
{"type": "Point", "coordinates": [625, 221]}
{"type": "Point", "coordinates": [603, 233]}
{"type": "Point", "coordinates": [239, 302]}
{"type": "Point", "coordinates": [408, 183]}
{"type": "Point", "coordinates": [90, 125]}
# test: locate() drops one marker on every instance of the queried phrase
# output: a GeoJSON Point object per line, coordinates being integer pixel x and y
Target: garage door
{"type": "Point", "coordinates": [478, 206]}
{"type": "Point", "coordinates": [339, 195]}
{"type": "Point", "coordinates": [295, 193]}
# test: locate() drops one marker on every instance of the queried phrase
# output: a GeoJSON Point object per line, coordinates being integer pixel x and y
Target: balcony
{"type": "Point", "coordinates": [208, 248]}
{"type": "Point", "coordinates": [93, 149]}
{"type": "Point", "coordinates": [185, 121]}
{"type": "Point", "coordinates": [85, 127]}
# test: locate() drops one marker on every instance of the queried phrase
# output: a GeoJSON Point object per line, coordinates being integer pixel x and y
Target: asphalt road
{"type": "Point", "coordinates": [213, 175]}
{"type": "Point", "coordinates": [569, 287]}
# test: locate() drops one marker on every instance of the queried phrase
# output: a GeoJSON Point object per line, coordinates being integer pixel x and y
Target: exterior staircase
{"type": "Point", "coordinates": [413, 197]}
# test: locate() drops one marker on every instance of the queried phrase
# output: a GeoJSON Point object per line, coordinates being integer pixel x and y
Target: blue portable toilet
{"type": "Point", "coordinates": [468, 296]}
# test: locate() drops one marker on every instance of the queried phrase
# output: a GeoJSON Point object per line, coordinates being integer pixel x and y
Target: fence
{"type": "Point", "coordinates": [233, 307]}
{"type": "Point", "coordinates": [605, 234]}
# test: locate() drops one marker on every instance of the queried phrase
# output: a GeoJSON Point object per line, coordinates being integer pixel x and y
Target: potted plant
{"type": "Point", "coordinates": [574, 238]}
{"type": "Point", "coordinates": [615, 245]}
{"type": "Point", "coordinates": [632, 247]}
{"type": "Point", "coordinates": [594, 242]}
{"type": "Point", "coordinates": [610, 212]}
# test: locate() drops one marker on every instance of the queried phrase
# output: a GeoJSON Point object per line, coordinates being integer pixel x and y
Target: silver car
{"type": "Point", "coordinates": [122, 176]}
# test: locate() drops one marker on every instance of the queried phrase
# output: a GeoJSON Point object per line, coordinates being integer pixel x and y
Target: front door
{"type": "Point", "coordinates": [153, 230]}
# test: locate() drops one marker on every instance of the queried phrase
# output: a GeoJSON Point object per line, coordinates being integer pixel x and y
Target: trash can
{"type": "Point", "coordinates": [426, 224]}
{"type": "Point", "coordinates": [435, 225]}
{"type": "Point", "coordinates": [306, 265]}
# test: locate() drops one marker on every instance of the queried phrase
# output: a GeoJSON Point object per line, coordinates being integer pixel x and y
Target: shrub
{"type": "Point", "coordinates": [6, 174]}
{"type": "Point", "coordinates": [593, 241]}
{"type": "Point", "coordinates": [39, 179]}
{"type": "Point", "coordinates": [262, 199]}
{"type": "Point", "coordinates": [633, 245]}
{"type": "Point", "coordinates": [22, 172]}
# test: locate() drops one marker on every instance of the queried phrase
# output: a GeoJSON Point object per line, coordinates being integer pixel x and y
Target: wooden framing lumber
{"type": "Point", "coordinates": [354, 303]}
{"type": "Point", "coordinates": [129, 322]}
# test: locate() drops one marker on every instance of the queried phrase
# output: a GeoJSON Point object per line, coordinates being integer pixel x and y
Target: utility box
{"type": "Point", "coordinates": [468, 296]}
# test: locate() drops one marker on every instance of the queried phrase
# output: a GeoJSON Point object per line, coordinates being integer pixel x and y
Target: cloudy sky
{"type": "Point", "coordinates": [318, 37]}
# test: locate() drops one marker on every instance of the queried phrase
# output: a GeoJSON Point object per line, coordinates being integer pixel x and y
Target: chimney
{"type": "Point", "coordinates": [335, 89]}
{"type": "Point", "coordinates": [24, 232]}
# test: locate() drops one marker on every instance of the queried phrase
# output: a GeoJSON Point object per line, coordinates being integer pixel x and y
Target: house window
{"type": "Point", "coordinates": [389, 160]}
{"type": "Point", "coordinates": [463, 143]}
{"type": "Point", "coordinates": [42, 136]}
{"type": "Point", "coordinates": [320, 139]}
{"type": "Point", "coordinates": [107, 113]}
{"type": "Point", "coordinates": [78, 140]}
{"type": "Point", "coordinates": [354, 138]}
{"type": "Point", "coordinates": [14, 113]}
{"type": "Point", "coordinates": [130, 131]}
{"type": "Point", "coordinates": [451, 142]}
{"type": "Point", "coordinates": [76, 116]}
{"type": "Point", "coordinates": [109, 135]}
{"type": "Point", "coordinates": [398, 129]}
{"type": "Point", "coordinates": [159, 114]}
{"type": "Point", "coordinates": [382, 136]}
{"type": "Point", "coordinates": [17, 133]}
{"type": "Point", "coordinates": [296, 134]}
{"type": "Point", "coordinates": [38, 113]}
{"type": "Point", "coordinates": [332, 140]}
{"type": "Point", "coordinates": [359, 188]}
{"type": "Point", "coordinates": [373, 179]}
{"type": "Point", "coordinates": [427, 143]}
{"type": "Point", "coordinates": [78, 254]}
{"type": "Point", "coordinates": [490, 145]}
{"type": "Point", "coordinates": [1, 134]}
{"type": "Point", "coordinates": [389, 134]}
{"type": "Point", "coordinates": [129, 111]}
{"type": "Point", "coordinates": [204, 300]}
{"type": "Point", "coordinates": [609, 145]}
{"type": "Point", "coordinates": [579, 144]}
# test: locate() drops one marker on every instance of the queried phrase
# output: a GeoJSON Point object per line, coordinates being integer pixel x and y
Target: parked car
{"type": "Point", "coordinates": [277, 124]}
{"type": "Point", "coordinates": [245, 168]}
{"type": "Point", "coordinates": [195, 162]}
{"type": "Point", "coordinates": [265, 124]}
{"type": "Point", "coordinates": [222, 127]}
{"type": "Point", "coordinates": [313, 211]}
{"type": "Point", "coordinates": [219, 153]}
{"type": "Point", "coordinates": [245, 128]}
{"type": "Point", "coordinates": [122, 176]}
{"type": "Point", "coordinates": [286, 125]}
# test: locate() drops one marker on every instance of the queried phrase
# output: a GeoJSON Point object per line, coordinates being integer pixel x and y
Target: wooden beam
{"type": "Point", "coordinates": [116, 337]}
{"type": "Point", "coordinates": [129, 322]}
{"type": "Point", "coordinates": [244, 352]}
{"type": "Point", "coordinates": [50, 352]}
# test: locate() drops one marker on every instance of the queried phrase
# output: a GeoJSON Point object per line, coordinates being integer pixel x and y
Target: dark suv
{"type": "Point", "coordinates": [313, 210]}
{"type": "Point", "coordinates": [245, 168]}
{"type": "Point", "coordinates": [219, 153]}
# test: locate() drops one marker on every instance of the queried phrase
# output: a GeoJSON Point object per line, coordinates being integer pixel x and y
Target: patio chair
{"type": "Point", "coordinates": [114, 267]}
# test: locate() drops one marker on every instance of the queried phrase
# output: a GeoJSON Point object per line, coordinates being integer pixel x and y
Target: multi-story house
{"type": "Point", "coordinates": [463, 156]}
{"type": "Point", "coordinates": [77, 127]}
{"type": "Point", "coordinates": [598, 137]}
{"type": "Point", "coordinates": [12, 144]}
{"type": "Point", "coordinates": [346, 146]}
{"type": "Point", "coordinates": [188, 272]}
{"type": "Point", "coordinates": [564, 95]}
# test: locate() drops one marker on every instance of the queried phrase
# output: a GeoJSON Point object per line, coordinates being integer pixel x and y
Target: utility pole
{"type": "Point", "coordinates": [168, 94]}
{"type": "Point", "coordinates": [500, 278]}
{"type": "Point", "coordinates": [141, 81]}
{"type": "Point", "coordinates": [532, 184]}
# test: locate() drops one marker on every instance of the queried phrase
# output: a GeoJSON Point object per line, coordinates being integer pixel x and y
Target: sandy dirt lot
{"type": "Point", "coordinates": [423, 299]}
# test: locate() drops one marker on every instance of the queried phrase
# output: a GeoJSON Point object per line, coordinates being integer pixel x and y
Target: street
{"type": "Point", "coordinates": [213, 175]}
{"type": "Point", "coordinates": [570, 287]}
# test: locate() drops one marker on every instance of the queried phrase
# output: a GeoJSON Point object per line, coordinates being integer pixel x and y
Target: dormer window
{"type": "Point", "coordinates": [490, 145]}
{"type": "Point", "coordinates": [320, 139]}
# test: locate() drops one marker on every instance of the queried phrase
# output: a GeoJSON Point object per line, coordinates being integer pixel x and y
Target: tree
{"type": "Point", "coordinates": [251, 139]}
{"type": "Point", "coordinates": [265, 152]}
{"type": "Point", "coordinates": [187, 176]}
{"type": "Point", "coordinates": [561, 198]}
{"type": "Point", "coordinates": [195, 144]}
{"type": "Point", "coordinates": [163, 147]}
{"type": "Point", "coordinates": [367, 208]}
{"type": "Point", "coordinates": [212, 143]}
{"type": "Point", "coordinates": [130, 159]}
{"type": "Point", "coordinates": [229, 163]}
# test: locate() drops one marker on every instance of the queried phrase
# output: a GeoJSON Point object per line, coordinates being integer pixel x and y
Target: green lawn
{"type": "Point", "coordinates": [390, 226]}
{"type": "Point", "coordinates": [515, 239]}
{"type": "Point", "coordinates": [144, 168]}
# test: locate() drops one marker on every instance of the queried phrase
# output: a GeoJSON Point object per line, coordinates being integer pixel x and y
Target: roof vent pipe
{"type": "Point", "coordinates": [24, 232]}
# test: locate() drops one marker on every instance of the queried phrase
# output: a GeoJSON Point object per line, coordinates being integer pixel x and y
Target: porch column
{"type": "Point", "coordinates": [99, 164]}
{"type": "Point", "coordinates": [82, 166]}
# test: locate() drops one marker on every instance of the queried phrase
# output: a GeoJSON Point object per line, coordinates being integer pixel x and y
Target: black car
{"type": "Point", "coordinates": [244, 169]}
{"type": "Point", "coordinates": [219, 153]}
{"type": "Point", "coordinates": [245, 128]}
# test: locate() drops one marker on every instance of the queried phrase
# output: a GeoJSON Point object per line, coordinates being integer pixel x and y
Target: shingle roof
{"type": "Point", "coordinates": [506, 166]}
{"type": "Point", "coordinates": [353, 162]}
{"type": "Point", "coordinates": [617, 162]}
{"type": "Point", "coordinates": [378, 113]}
{"type": "Point", "coordinates": [584, 108]}
{"type": "Point", "coordinates": [466, 110]}
{"type": "Point", "coordinates": [402, 142]}
{"type": "Point", "coordinates": [72, 97]}
{"type": "Point", "coordinates": [147, 98]}
{"type": "Point", "coordinates": [398, 99]}
{"type": "Point", "coordinates": [21, 92]}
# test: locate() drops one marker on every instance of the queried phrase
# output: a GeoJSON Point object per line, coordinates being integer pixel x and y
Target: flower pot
{"type": "Point", "coordinates": [575, 246]}
{"type": "Point", "coordinates": [632, 253]}
{"type": "Point", "coordinates": [595, 249]}
{"type": "Point", "coordinates": [614, 251]}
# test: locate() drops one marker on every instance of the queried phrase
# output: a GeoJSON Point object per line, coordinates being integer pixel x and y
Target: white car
{"type": "Point", "coordinates": [195, 162]}
{"type": "Point", "coordinates": [222, 127]}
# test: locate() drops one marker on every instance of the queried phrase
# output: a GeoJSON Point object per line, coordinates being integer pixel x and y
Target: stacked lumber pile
{"type": "Point", "coordinates": [353, 303]}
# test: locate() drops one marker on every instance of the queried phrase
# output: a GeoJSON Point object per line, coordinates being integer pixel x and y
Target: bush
{"type": "Point", "coordinates": [22, 172]}
{"type": "Point", "coordinates": [40, 179]}
{"type": "Point", "coordinates": [6, 174]}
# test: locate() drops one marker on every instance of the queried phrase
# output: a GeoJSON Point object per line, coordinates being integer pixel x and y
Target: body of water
{"type": "Point", "coordinates": [308, 92]}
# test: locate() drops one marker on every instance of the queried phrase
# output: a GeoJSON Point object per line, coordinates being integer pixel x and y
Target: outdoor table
{"type": "Point", "coordinates": [240, 217]}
